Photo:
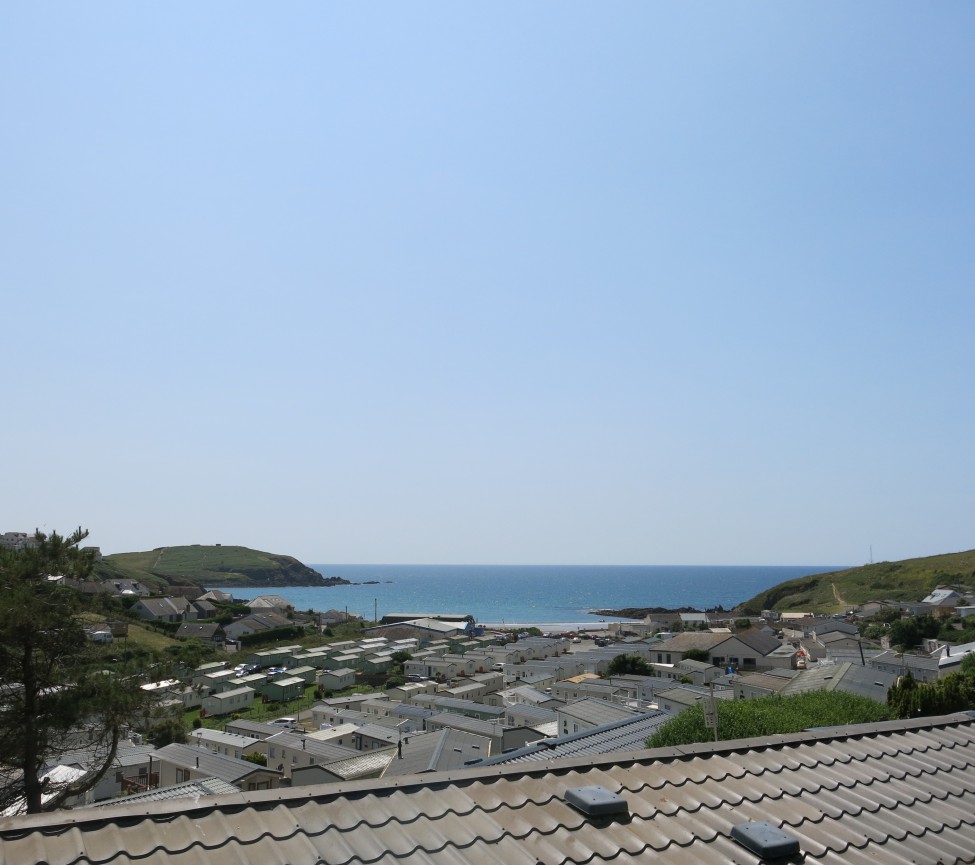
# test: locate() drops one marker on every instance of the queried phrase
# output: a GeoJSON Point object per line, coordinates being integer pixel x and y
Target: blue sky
{"type": "Point", "coordinates": [498, 283]}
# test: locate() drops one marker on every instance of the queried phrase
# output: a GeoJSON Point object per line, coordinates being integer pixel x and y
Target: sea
{"type": "Point", "coordinates": [512, 595]}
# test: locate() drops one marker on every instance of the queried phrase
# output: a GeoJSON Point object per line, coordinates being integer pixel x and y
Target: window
{"type": "Point", "coordinates": [119, 777]}
{"type": "Point", "coordinates": [182, 775]}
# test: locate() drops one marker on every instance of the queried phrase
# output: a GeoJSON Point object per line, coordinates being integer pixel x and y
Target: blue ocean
{"type": "Point", "coordinates": [532, 594]}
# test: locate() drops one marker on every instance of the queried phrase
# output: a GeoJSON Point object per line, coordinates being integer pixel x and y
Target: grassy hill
{"type": "Point", "coordinates": [909, 580]}
{"type": "Point", "coordinates": [208, 566]}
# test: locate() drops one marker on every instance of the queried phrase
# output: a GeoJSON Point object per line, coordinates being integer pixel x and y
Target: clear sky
{"type": "Point", "coordinates": [493, 283]}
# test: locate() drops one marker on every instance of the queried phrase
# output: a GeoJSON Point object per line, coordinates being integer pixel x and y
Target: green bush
{"type": "Point", "coordinates": [767, 716]}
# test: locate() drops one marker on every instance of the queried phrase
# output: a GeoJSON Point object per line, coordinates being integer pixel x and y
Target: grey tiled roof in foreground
{"type": "Point", "coordinates": [893, 793]}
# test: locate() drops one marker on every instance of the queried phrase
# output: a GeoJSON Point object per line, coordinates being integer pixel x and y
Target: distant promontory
{"type": "Point", "coordinates": [211, 565]}
{"type": "Point", "coordinates": [843, 590]}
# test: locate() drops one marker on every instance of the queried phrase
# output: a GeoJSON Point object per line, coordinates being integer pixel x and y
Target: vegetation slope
{"type": "Point", "coordinates": [202, 565]}
{"type": "Point", "coordinates": [838, 591]}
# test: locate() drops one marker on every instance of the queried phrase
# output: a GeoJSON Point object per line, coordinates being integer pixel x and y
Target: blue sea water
{"type": "Point", "coordinates": [532, 594]}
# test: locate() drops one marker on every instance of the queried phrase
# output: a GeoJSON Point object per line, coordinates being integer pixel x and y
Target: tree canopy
{"type": "Point", "coordinates": [53, 699]}
{"type": "Point", "coordinates": [907, 633]}
{"type": "Point", "coordinates": [623, 665]}
{"type": "Point", "coordinates": [952, 693]}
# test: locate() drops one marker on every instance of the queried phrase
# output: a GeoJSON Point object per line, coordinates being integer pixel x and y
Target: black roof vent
{"type": "Point", "coordinates": [766, 840]}
{"type": "Point", "coordinates": [595, 801]}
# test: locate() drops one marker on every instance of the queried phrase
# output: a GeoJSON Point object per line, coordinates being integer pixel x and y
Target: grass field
{"type": "Point", "coordinates": [140, 637]}
{"type": "Point", "coordinates": [210, 565]}
{"type": "Point", "coordinates": [908, 580]}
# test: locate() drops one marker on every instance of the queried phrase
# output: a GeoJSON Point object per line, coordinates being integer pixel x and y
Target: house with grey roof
{"type": "Point", "coordinates": [222, 742]}
{"type": "Point", "coordinates": [127, 588]}
{"type": "Point", "coordinates": [203, 608]}
{"type": "Point", "coordinates": [371, 736]}
{"type": "Point", "coordinates": [288, 749]}
{"type": "Point", "coordinates": [342, 734]}
{"type": "Point", "coordinates": [226, 702]}
{"type": "Point", "coordinates": [838, 641]}
{"type": "Point", "coordinates": [588, 713]}
{"type": "Point", "coordinates": [257, 621]}
{"type": "Point", "coordinates": [406, 692]}
{"type": "Point", "coordinates": [682, 697]}
{"type": "Point", "coordinates": [263, 603]}
{"type": "Point", "coordinates": [699, 672]}
{"type": "Point", "coordinates": [623, 735]}
{"type": "Point", "coordinates": [922, 668]}
{"type": "Point", "coordinates": [580, 687]}
{"type": "Point", "coordinates": [851, 678]}
{"type": "Point", "coordinates": [944, 659]}
{"type": "Point", "coordinates": [412, 718]}
{"type": "Point", "coordinates": [470, 708]}
{"type": "Point", "coordinates": [192, 790]}
{"type": "Point", "coordinates": [251, 729]}
{"type": "Point", "coordinates": [212, 679]}
{"type": "Point", "coordinates": [439, 751]}
{"type": "Point", "coordinates": [162, 609]}
{"type": "Point", "coordinates": [502, 738]}
{"type": "Point", "coordinates": [527, 715]}
{"type": "Point", "coordinates": [130, 770]}
{"type": "Point", "coordinates": [217, 595]}
{"type": "Point", "coordinates": [532, 696]}
{"type": "Point", "coordinates": [179, 763]}
{"type": "Point", "coordinates": [672, 650]}
{"type": "Point", "coordinates": [745, 650]}
{"type": "Point", "coordinates": [284, 689]}
{"type": "Point", "coordinates": [944, 599]}
{"type": "Point", "coordinates": [748, 686]}
{"type": "Point", "coordinates": [832, 626]}
{"type": "Point", "coordinates": [785, 657]}
{"type": "Point", "coordinates": [208, 632]}
{"type": "Point", "coordinates": [363, 764]}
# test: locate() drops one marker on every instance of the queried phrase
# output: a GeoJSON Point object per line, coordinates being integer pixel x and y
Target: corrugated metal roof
{"type": "Point", "coordinates": [892, 793]}
{"type": "Point", "coordinates": [217, 765]}
{"type": "Point", "coordinates": [367, 764]}
{"type": "Point", "coordinates": [596, 712]}
{"type": "Point", "coordinates": [187, 790]}
{"type": "Point", "coordinates": [852, 678]}
{"type": "Point", "coordinates": [629, 734]}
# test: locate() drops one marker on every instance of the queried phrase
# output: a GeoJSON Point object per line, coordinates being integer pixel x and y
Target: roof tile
{"type": "Point", "coordinates": [892, 793]}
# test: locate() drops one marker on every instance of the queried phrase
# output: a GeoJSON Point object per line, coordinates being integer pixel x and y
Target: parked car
{"type": "Point", "coordinates": [290, 723]}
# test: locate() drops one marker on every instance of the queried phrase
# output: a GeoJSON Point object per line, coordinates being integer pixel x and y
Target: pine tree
{"type": "Point", "coordinates": [51, 698]}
